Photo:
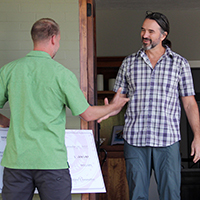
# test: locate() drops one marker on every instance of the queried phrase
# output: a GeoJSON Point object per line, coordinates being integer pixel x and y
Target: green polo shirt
{"type": "Point", "coordinates": [38, 89]}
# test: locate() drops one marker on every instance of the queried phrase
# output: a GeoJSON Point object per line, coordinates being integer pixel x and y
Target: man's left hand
{"type": "Point", "coordinates": [195, 149]}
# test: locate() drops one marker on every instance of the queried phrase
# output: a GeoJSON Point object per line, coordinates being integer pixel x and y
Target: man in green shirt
{"type": "Point", "coordinates": [38, 90]}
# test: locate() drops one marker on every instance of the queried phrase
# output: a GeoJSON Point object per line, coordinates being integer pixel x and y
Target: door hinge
{"type": "Point", "coordinates": [89, 9]}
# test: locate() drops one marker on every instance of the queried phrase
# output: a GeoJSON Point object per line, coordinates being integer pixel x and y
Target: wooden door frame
{"type": "Point", "coordinates": [87, 39]}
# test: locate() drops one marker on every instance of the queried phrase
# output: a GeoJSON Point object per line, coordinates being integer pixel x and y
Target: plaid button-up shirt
{"type": "Point", "coordinates": [153, 113]}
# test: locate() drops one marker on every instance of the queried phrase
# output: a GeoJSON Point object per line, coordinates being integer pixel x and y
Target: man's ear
{"type": "Point", "coordinates": [53, 39]}
{"type": "Point", "coordinates": [164, 35]}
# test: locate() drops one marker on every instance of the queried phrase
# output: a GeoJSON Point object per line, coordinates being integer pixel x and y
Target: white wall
{"type": "Point", "coordinates": [16, 20]}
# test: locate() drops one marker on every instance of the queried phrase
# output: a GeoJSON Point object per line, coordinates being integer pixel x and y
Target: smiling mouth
{"type": "Point", "coordinates": [146, 40]}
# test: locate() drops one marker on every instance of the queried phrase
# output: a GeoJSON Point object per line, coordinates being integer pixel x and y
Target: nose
{"type": "Point", "coordinates": [144, 34]}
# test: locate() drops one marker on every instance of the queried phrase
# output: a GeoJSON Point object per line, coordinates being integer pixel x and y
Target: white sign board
{"type": "Point", "coordinates": [82, 157]}
{"type": "Point", "coordinates": [84, 163]}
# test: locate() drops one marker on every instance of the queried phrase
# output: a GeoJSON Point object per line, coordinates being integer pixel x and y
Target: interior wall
{"type": "Point", "coordinates": [118, 32]}
{"type": "Point", "coordinates": [16, 20]}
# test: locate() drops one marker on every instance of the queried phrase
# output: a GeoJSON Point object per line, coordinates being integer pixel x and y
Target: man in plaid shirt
{"type": "Point", "coordinates": [154, 78]}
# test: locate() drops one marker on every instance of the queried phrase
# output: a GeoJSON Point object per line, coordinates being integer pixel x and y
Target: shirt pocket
{"type": "Point", "coordinates": [168, 85]}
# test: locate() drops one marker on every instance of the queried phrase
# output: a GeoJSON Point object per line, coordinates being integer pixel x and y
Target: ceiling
{"type": "Point", "coordinates": [148, 4]}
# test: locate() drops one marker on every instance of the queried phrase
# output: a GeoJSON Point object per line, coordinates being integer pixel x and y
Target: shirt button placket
{"type": "Point", "coordinates": [150, 104]}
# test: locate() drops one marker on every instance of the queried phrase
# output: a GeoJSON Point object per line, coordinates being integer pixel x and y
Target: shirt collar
{"type": "Point", "coordinates": [39, 54]}
{"type": "Point", "coordinates": [168, 52]}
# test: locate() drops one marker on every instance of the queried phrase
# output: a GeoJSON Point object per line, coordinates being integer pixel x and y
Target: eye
{"type": "Point", "coordinates": [151, 31]}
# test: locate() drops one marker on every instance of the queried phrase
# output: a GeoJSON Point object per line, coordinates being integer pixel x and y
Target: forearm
{"type": "Point", "coordinates": [192, 112]}
{"type": "Point", "coordinates": [95, 112]}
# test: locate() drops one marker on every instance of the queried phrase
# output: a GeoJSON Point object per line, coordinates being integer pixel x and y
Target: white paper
{"type": "Point", "coordinates": [3, 136]}
{"type": "Point", "coordinates": [82, 157]}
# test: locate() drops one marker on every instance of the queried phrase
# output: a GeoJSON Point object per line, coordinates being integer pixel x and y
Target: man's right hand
{"type": "Point", "coordinates": [119, 100]}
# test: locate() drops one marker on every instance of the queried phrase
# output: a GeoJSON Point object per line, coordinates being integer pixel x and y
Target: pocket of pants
{"type": "Point", "coordinates": [57, 179]}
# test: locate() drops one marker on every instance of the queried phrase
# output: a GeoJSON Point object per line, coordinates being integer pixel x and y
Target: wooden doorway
{"type": "Point", "coordinates": [87, 35]}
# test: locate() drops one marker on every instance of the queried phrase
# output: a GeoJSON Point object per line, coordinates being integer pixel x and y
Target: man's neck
{"type": "Point", "coordinates": [46, 47]}
{"type": "Point", "coordinates": [155, 54]}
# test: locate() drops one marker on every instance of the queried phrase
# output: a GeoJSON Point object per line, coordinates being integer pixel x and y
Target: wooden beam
{"type": "Point", "coordinates": [87, 69]}
{"type": "Point", "coordinates": [83, 52]}
{"type": "Point", "coordinates": [83, 60]}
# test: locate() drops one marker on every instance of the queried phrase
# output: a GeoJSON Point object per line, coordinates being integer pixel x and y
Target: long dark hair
{"type": "Point", "coordinates": [162, 22]}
